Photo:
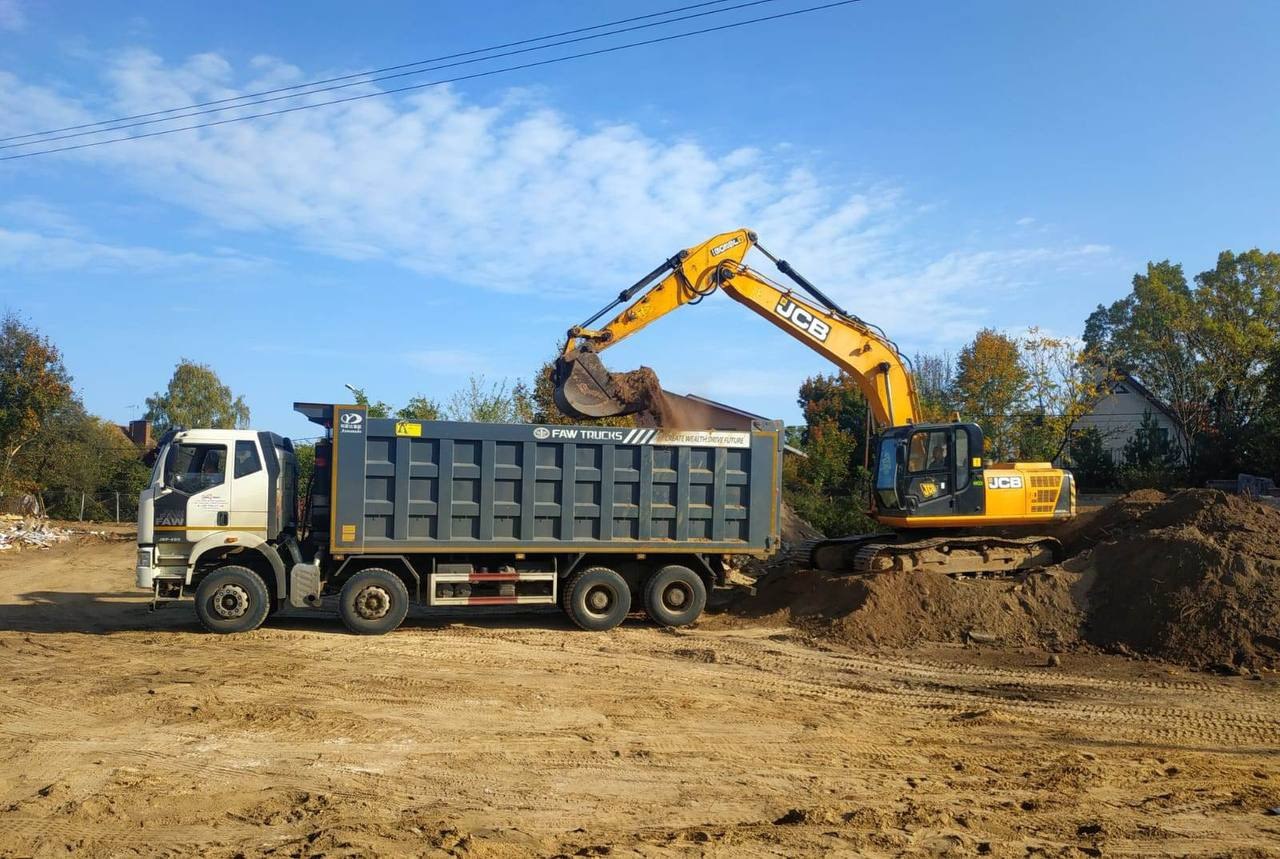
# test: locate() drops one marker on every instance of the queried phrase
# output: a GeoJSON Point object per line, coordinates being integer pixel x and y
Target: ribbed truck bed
{"type": "Point", "coordinates": [442, 487]}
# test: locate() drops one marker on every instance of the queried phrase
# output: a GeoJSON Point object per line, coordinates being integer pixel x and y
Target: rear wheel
{"type": "Point", "coordinates": [597, 599]}
{"type": "Point", "coordinates": [373, 602]}
{"type": "Point", "coordinates": [232, 599]}
{"type": "Point", "coordinates": [675, 596]}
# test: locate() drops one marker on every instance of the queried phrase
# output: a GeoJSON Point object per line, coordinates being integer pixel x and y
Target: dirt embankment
{"type": "Point", "coordinates": [1192, 578]}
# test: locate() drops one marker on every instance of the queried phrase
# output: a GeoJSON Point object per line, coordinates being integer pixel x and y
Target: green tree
{"type": "Point", "coordinates": [33, 384]}
{"type": "Point", "coordinates": [1203, 350]}
{"type": "Point", "coordinates": [990, 385]}
{"type": "Point", "coordinates": [1150, 458]}
{"type": "Point", "coordinates": [1091, 463]}
{"type": "Point", "coordinates": [829, 486]}
{"type": "Point", "coordinates": [491, 402]}
{"type": "Point", "coordinates": [196, 397]}
{"type": "Point", "coordinates": [420, 408]}
{"type": "Point", "coordinates": [934, 377]}
{"type": "Point", "coordinates": [377, 409]}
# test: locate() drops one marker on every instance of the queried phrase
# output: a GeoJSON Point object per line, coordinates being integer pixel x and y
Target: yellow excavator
{"type": "Point", "coordinates": [949, 510]}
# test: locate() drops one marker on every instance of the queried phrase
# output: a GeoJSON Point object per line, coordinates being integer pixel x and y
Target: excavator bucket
{"type": "Point", "coordinates": [585, 389]}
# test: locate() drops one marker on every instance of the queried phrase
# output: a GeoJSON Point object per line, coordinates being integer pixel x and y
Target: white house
{"type": "Point", "coordinates": [1118, 415]}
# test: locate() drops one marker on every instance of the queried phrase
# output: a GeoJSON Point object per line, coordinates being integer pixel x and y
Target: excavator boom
{"type": "Point", "coordinates": [585, 389]}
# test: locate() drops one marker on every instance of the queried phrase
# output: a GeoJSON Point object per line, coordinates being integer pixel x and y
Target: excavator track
{"type": "Point", "coordinates": [974, 556]}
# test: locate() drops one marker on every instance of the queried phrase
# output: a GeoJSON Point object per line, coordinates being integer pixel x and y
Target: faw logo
{"type": "Point", "coordinates": [801, 318]}
{"type": "Point", "coordinates": [542, 432]}
{"type": "Point", "coordinates": [1014, 482]}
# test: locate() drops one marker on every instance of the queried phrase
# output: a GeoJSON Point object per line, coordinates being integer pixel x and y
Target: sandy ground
{"type": "Point", "coordinates": [124, 732]}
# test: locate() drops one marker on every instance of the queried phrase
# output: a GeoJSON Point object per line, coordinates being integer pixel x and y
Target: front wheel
{"type": "Point", "coordinates": [232, 599]}
{"type": "Point", "coordinates": [597, 599]}
{"type": "Point", "coordinates": [675, 596]}
{"type": "Point", "coordinates": [373, 602]}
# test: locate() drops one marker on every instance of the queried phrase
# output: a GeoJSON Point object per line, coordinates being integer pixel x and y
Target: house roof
{"type": "Point", "coordinates": [1143, 391]}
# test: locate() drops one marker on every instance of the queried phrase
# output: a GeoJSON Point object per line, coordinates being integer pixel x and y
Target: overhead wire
{"type": "Point", "coordinates": [413, 87]}
{"type": "Point", "coordinates": [368, 73]}
{"type": "Point", "coordinates": [372, 80]}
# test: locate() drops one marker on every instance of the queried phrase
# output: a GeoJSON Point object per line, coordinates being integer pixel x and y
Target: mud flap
{"type": "Point", "coordinates": [304, 586]}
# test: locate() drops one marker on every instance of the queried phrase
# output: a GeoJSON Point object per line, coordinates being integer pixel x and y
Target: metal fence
{"type": "Point", "coordinates": [89, 506]}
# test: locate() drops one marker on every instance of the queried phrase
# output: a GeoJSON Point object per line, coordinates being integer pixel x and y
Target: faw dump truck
{"type": "Point", "coordinates": [597, 520]}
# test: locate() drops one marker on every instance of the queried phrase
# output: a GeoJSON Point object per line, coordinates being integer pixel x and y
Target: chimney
{"type": "Point", "coordinates": [140, 434]}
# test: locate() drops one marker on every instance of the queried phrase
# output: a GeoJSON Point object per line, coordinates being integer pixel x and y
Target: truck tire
{"type": "Point", "coordinates": [373, 602]}
{"type": "Point", "coordinates": [232, 599]}
{"type": "Point", "coordinates": [596, 599]}
{"type": "Point", "coordinates": [675, 596]}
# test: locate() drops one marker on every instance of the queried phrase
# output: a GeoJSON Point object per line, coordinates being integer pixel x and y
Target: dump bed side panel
{"type": "Point", "coordinates": [448, 486]}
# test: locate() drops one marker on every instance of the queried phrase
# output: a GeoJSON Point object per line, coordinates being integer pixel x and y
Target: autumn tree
{"type": "Point", "coordinates": [989, 389]}
{"type": "Point", "coordinates": [33, 384]}
{"type": "Point", "coordinates": [196, 397]}
{"type": "Point", "coordinates": [1062, 386]}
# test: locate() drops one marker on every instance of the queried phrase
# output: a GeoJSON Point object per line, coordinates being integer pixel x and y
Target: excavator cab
{"type": "Point", "coordinates": [928, 470]}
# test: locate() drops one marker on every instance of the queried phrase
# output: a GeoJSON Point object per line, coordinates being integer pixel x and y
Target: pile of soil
{"type": "Point", "coordinates": [1192, 578]}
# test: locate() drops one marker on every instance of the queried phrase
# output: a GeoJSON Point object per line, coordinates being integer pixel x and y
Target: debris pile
{"type": "Point", "coordinates": [30, 533]}
{"type": "Point", "coordinates": [1192, 578]}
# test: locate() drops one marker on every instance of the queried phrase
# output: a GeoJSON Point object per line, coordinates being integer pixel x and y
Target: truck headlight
{"type": "Point", "coordinates": [144, 557]}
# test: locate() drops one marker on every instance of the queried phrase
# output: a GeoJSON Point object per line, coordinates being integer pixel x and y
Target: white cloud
{"type": "Point", "coordinates": [25, 250]}
{"type": "Point", "coordinates": [515, 196]}
{"type": "Point", "coordinates": [12, 18]}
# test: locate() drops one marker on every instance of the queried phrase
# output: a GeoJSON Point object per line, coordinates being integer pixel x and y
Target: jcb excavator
{"type": "Point", "coordinates": [949, 510]}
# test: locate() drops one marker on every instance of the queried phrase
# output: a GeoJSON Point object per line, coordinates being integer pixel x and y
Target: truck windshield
{"type": "Point", "coordinates": [195, 467]}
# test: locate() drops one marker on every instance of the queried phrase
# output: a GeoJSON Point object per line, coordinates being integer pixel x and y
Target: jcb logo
{"type": "Point", "coordinates": [1004, 482]}
{"type": "Point", "coordinates": [802, 319]}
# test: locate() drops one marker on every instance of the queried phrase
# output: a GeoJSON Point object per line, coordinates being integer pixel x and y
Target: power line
{"type": "Point", "coordinates": [489, 73]}
{"type": "Point", "coordinates": [352, 76]}
{"type": "Point", "coordinates": [322, 89]}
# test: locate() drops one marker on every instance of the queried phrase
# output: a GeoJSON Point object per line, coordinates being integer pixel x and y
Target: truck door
{"type": "Point", "coordinates": [250, 494]}
{"type": "Point", "coordinates": [197, 474]}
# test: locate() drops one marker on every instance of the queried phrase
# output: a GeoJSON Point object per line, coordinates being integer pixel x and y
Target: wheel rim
{"type": "Point", "coordinates": [677, 596]}
{"type": "Point", "coordinates": [599, 600]}
{"type": "Point", "coordinates": [373, 603]}
{"type": "Point", "coordinates": [230, 602]}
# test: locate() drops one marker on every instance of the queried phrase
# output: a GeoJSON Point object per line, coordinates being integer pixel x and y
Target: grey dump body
{"type": "Point", "coordinates": [440, 487]}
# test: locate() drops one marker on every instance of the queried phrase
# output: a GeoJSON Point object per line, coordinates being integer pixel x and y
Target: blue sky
{"type": "Point", "coordinates": [936, 166]}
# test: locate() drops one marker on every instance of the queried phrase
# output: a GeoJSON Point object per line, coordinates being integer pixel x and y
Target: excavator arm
{"type": "Point", "coordinates": [585, 389]}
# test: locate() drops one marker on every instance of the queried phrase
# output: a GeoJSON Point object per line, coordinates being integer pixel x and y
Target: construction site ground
{"type": "Point", "coordinates": [124, 732]}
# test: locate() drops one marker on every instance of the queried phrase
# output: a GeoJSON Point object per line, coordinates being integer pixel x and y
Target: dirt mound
{"type": "Point", "coordinates": [1192, 577]}
{"type": "Point", "coordinates": [893, 609]}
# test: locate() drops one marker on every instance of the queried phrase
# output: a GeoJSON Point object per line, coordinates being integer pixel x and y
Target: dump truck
{"type": "Point", "coordinates": [596, 519]}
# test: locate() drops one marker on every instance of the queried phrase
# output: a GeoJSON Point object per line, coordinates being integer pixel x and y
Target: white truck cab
{"type": "Point", "coordinates": [218, 498]}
